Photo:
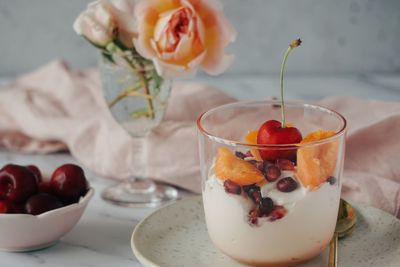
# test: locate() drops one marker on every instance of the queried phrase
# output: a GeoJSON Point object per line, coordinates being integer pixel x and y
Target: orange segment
{"type": "Point", "coordinates": [316, 163]}
{"type": "Point", "coordinates": [228, 166]}
{"type": "Point", "coordinates": [316, 136]}
{"type": "Point", "coordinates": [251, 138]}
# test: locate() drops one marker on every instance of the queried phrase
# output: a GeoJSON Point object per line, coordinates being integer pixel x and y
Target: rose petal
{"type": "Point", "coordinates": [102, 15]}
{"type": "Point", "coordinates": [123, 12]}
{"type": "Point", "coordinates": [146, 18]}
{"type": "Point", "coordinates": [219, 66]}
{"type": "Point", "coordinates": [178, 71]}
{"type": "Point", "coordinates": [219, 35]}
{"type": "Point", "coordinates": [184, 48]}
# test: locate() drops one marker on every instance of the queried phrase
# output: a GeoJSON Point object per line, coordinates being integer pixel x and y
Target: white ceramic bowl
{"type": "Point", "coordinates": [24, 232]}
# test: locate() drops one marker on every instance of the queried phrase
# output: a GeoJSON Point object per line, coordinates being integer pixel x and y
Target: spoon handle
{"type": "Point", "coordinates": [333, 246]}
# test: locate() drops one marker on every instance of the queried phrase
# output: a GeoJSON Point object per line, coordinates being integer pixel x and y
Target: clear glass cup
{"type": "Point", "coordinates": [278, 212]}
{"type": "Point", "coordinates": [137, 98]}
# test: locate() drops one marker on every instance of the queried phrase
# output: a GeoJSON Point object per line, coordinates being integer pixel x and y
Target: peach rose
{"type": "Point", "coordinates": [181, 35]}
{"type": "Point", "coordinates": [106, 20]}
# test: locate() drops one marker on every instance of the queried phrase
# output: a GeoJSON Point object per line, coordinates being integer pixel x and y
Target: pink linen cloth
{"type": "Point", "coordinates": [54, 108]}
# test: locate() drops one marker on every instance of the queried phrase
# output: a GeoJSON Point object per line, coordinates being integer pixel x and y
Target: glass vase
{"type": "Point", "coordinates": [137, 98]}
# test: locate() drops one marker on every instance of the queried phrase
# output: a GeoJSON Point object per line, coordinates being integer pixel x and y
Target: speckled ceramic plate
{"type": "Point", "coordinates": [176, 235]}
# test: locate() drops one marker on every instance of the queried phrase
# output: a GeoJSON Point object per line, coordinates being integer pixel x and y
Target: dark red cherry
{"type": "Point", "coordinates": [45, 187]}
{"type": "Point", "coordinates": [42, 202]}
{"type": "Point", "coordinates": [17, 183]}
{"type": "Point", "coordinates": [68, 183]}
{"type": "Point", "coordinates": [271, 132]}
{"type": "Point", "coordinates": [4, 206]}
{"type": "Point", "coordinates": [7, 206]}
{"type": "Point", "coordinates": [35, 170]}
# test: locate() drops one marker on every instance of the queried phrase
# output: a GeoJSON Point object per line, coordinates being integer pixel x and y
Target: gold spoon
{"type": "Point", "coordinates": [345, 224]}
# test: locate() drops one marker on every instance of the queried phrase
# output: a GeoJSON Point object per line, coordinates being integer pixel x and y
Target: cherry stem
{"type": "Point", "coordinates": [292, 45]}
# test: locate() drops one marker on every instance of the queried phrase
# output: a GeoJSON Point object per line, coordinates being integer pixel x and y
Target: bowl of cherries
{"type": "Point", "coordinates": [36, 212]}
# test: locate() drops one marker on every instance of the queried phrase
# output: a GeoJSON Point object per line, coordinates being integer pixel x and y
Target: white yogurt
{"type": "Point", "coordinates": [301, 234]}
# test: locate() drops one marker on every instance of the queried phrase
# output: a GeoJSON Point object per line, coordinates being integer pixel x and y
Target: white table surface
{"type": "Point", "coordinates": [102, 236]}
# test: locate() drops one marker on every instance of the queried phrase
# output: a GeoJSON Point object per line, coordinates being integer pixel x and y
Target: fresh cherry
{"type": "Point", "coordinates": [68, 182]}
{"type": "Point", "coordinates": [45, 187]}
{"type": "Point", "coordinates": [7, 206]}
{"type": "Point", "coordinates": [271, 132]}
{"type": "Point", "coordinates": [35, 170]}
{"type": "Point", "coordinates": [17, 183]}
{"type": "Point", "coordinates": [42, 202]}
{"type": "Point", "coordinates": [4, 207]}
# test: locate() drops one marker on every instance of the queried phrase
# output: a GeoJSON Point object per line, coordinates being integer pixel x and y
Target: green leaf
{"type": "Point", "coordinates": [107, 56]}
{"type": "Point", "coordinates": [157, 81]}
{"type": "Point", "coordinates": [120, 45]}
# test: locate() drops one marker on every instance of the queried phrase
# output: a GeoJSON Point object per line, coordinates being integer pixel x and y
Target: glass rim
{"type": "Point", "coordinates": [276, 146]}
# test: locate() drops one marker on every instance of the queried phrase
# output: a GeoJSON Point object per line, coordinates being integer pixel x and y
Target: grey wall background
{"type": "Point", "coordinates": [340, 36]}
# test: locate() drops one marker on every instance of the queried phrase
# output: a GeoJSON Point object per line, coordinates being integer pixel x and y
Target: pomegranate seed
{"type": "Point", "coordinates": [285, 164]}
{"type": "Point", "coordinates": [272, 173]}
{"type": "Point", "coordinates": [240, 155]}
{"type": "Point", "coordinates": [266, 206]}
{"type": "Point", "coordinates": [232, 187]}
{"type": "Point", "coordinates": [286, 184]}
{"type": "Point", "coordinates": [246, 188]}
{"type": "Point", "coordinates": [260, 166]}
{"type": "Point", "coordinates": [278, 212]}
{"type": "Point", "coordinates": [255, 195]}
{"type": "Point", "coordinates": [268, 162]}
{"type": "Point", "coordinates": [331, 180]}
{"type": "Point", "coordinates": [253, 191]}
{"type": "Point", "coordinates": [253, 216]}
{"type": "Point", "coordinates": [248, 154]}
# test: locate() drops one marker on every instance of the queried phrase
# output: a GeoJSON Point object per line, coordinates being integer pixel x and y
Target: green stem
{"type": "Point", "coordinates": [117, 99]}
{"type": "Point", "coordinates": [292, 45]}
{"type": "Point", "coordinates": [123, 94]}
{"type": "Point", "coordinates": [147, 92]}
{"type": "Point", "coordinates": [283, 114]}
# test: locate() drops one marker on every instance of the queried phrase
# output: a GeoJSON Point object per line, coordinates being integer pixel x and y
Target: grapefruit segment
{"type": "Point", "coordinates": [316, 163]}
{"type": "Point", "coordinates": [228, 166]}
